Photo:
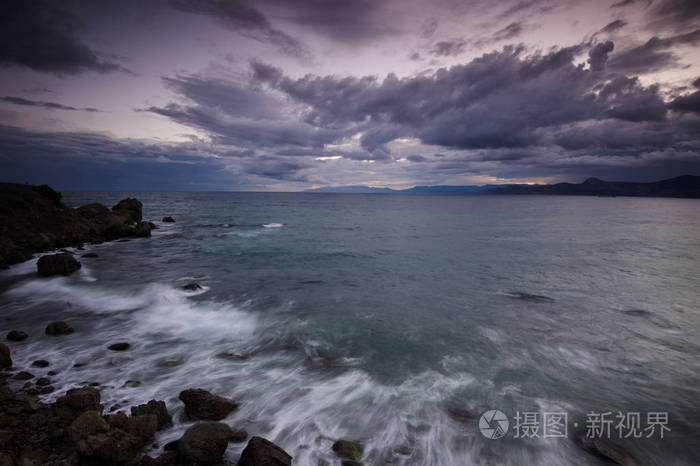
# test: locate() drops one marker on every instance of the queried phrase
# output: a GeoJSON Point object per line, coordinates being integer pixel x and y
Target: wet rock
{"type": "Point", "coordinates": [87, 424]}
{"type": "Point", "coordinates": [200, 404]}
{"type": "Point", "coordinates": [238, 435]}
{"type": "Point", "coordinates": [604, 448]}
{"type": "Point", "coordinates": [130, 208]}
{"type": "Point", "coordinates": [59, 328]}
{"type": "Point", "coordinates": [231, 356]}
{"type": "Point", "coordinates": [142, 230]}
{"type": "Point", "coordinates": [168, 458]}
{"type": "Point", "coordinates": [46, 390]}
{"type": "Point", "coordinates": [57, 264]}
{"type": "Point", "coordinates": [78, 400]}
{"type": "Point", "coordinates": [52, 373]}
{"type": "Point", "coordinates": [168, 220]}
{"type": "Point", "coordinates": [5, 356]}
{"type": "Point", "coordinates": [40, 363]}
{"type": "Point", "coordinates": [132, 383]}
{"type": "Point", "coordinates": [156, 408]}
{"type": "Point", "coordinates": [116, 446]}
{"type": "Point", "coordinates": [17, 335]}
{"type": "Point", "coordinates": [143, 427]}
{"type": "Point", "coordinates": [90, 255]}
{"type": "Point", "coordinates": [43, 381]}
{"type": "Point", "coordinates": [192, 287]}
{"type": "Point", "coordinates": [23, 375]}
{"type": "Point", "coordinates": [122, 346]}
{"type": "Point", "coordinates": [262, 452]}
{"type": "Point", "coordinates": [347, 449]}
{"type": "Point", "coordinates": [205, 442]}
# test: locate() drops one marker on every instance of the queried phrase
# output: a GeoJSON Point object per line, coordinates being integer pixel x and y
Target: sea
{"type": "Point", "coordinates": [432, 329]}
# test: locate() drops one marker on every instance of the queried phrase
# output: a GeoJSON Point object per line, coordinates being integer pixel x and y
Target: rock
{"type": "Point", "coordinates": [23, 375]}
{"type": "Point", "coordinates": [81, 400]}
{"type": "Point", "coordinates": [231, 356]}
{"type": "Point", "coordinates": [168, 458]}
{"type": "Point", "coordinates": [52, 373]}
{"type": "Point", "coordinates": [122, 346]}
{"type": "Point", "coordinates": [45, 390]}
{"type": "Point", "coordinates": [17, 335]}
{"type": "Point", "coordinates": [168, 220]}
{"type": "Point", "coordinates": [192, 287]}
{"type": "Point", "coordinates": [90, 255]}
{"type": "Point", "coordinates": [59, 328]}
{"type": "Point", "coordinates": [238, 435]}
{"type": "Point", "coordinates": [57, 264]}
{"type": "Point", "coordinates": [143, 427]}
{"type": "Point", "coordinates": [130, 208]}
{"type": "Point", "coordinates": [43, 381]}
{"type": "Point", "coordinates": [205, 442]}
{"type": "Point", "coordinates": [40, 363]}
{"type": "Point", "coordinates": [152, 225]}
{"type": "Point", "coordinates": [142, 230]}
{"type": "Point", "coordinates": [5, 356]}
{"type": "Point", "coordinates": [200, 404]}
{"type": "Point", "coordinates": [262, 452]}
{"type": "Point", "coordinates": [347, 449]}
{"type": "Point", "coordinates": [87, 424]}
{"type": "Point", "coordinates": [156, 408]}
{"type": "Point", "coordinates": [607, 450]}
{"type": "Point", "coordinates": [114, 446]}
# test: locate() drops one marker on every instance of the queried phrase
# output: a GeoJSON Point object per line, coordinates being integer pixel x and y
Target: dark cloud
{"type": "Point", "coordinates": [614, 26]}
{"type": "Point", "coordinates": [448, 48]}
{"type": "Point", "coordinates": [245, 19]}
{"type": "Point", "coordinates": [40, 35]}
{"type": "Point", "coordinates": [43, 104]}
{"type": "Point", "coordinates": [511, 31]}
{"type": "Point", "coordinates": [654, 55]}
{"type": "Point", "coordinates": [687, 103]}
{"type": "Point", "coordinates": [598, 55]}
{"type": "Point", "coordinates": [623, 3]}
{"type": "Point", "coordinates": [676, 14]}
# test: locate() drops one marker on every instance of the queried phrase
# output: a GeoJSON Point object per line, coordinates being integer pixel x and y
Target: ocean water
{"type": "Point", "coordinates": [378, 317]}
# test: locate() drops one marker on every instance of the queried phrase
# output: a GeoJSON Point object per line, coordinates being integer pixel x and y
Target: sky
{"type": "Point", "coordinates": [287, 95]}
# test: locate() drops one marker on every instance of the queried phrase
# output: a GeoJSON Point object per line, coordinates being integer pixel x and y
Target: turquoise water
{"type": "Point", "coordinates": [373, 317]}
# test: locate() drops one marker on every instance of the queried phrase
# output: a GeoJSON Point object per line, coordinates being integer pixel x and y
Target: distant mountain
{"type": "Point", "coordinates": [414, 190]}
{"type": "Point", "coordinates": [682, 186]}
{"type": "Point", "coordinates": [351, 189]}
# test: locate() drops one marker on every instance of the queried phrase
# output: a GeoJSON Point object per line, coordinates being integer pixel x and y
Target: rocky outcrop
{"type": "Point", "coordinates": [200, 404]}
{"type": "Point", "coordinates": [262, 452]}
{"type": "Point", "coordinates": [57, 264]}
{"type": "Point", "coordinates": [33, 219]}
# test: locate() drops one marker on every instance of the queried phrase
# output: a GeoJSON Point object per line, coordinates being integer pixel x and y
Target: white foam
{"type": "Point", "coordinates": [273, 225]}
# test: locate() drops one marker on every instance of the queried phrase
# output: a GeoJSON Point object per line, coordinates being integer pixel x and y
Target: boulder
{"type": "Point", "coordinates": [17, 335]}
{"type": "Point", "coordinates": [121, 346]}
{"type": "Point", "coordinates": [156, 408]}
{"type": "Point", "coordinates": [87, 424]}
{"type": "Point", "coordinates": [59, 328]}
{"type": "Point", "coordinates": [200, 404]}
{"type": "Point", "coordinates": [130, 208]}
{"type": "Point", "coordinates": [262, 452]}
{"type": "Point", "coordinates": [5, 356]}
{"type": "Point", "coordinates": [168, 220]}
{"type": "Point", "coordinates": [142, 230]}
{"type": "Point", "coordinates": [114, 446]}
{"type": "Point", "coordinates": [192, 287]}
{"type": "Point", "coordinates": [205, 442]}
{"type": "Point", "coordinates": [347, 449]}
{"type": "Point", "coordinates": [57, 264]}
{"type": "Point", "coordinates": [80, 400]}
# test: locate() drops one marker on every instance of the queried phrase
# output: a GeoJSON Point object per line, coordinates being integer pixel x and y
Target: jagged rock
{"type": "Point", "coordinates": [17, 335]}
{"type": "Point", "coordinates": [262, 452]}
{"type": "Point", "coordinates": [168, 220]}
{"type": "Point", "coordinates": [5, 356]}
{"type": "Point", "coordinates": [200, 404]}
{"type": "Point", "coordinates": [142, 230]}
{"type": "Point", "coordinates": [130, 208]}
{"type": "Point", "coordinates": [57, 264]}
{"type": "Point", "coordinates": [121, 346]}
{"type": "Point", "coordinates": [156, 408]}
{"type": "Point", "coordinates": [205, 442]}
{"type": "Point", "coordinates": [347, 449]}
{"type": "Point", "coordinates": [59, 328]}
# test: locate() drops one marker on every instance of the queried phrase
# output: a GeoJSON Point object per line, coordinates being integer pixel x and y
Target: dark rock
{"type": "Point", "coordinates": [152, 225]}
{"type": "Point", "coordinates": [168, 458]}
{"type": "Point", "coordinates": [347, 449]}
{"type": "Point", "coordinates": [80, 400]}
{"type": "Point", "coordinates": [132, 383]}
{"type": "Point", "coordinates": [262, 452]}
{"type": "Point", "coordinates": [57, 264]}
{"type": "Point", "coordinates": [122, 346]}
{"type": "Point", "coordinates": [604, 448]}
{"type": "Point", "coordinates": [24, 375]}
{"type": "Point", "coordinates": [43, 381]}
{"type": "Point", "coordinates": [168, 220]}
{"type": "Point", "coordinates": [192, 287]}
{"type": "Point", "coordinates": [91, 255]}
{"type": "Point", "coordinates": [45, 390]}
{"type": "Point", "coordinates": [238, 435]}
{"type": "Point", "coordinates": [142, 230]}
{"type": "Point", "coordinates": [143, 427]}
{"type": "Point", "coordinates": [114, 446]}
{"type": "Point", "coordinates": [130, 208]}
{"type": "Point", "coordinates": [170, 446]}
{"type": "Point", "coordinates": [87, 424]}
{"type": "Point", "coordinates": [52, 373]}
{"type": "Point", "coordinates": [156, 408]}
{"type": "Point", "coordinates": [17, 335]}
{"type": "Point", "coordinates": [200, 404]}
{"type": "Point", "coordinates": [40, 363]}
{"type": "Point", "coordinates": [59, 328]}
{"type": "Point", "coordinates": [5, 356]}
{"type": "Point", "coordinates": [231, 356]}
{"type": "Point", "coordinates": [205, 442]}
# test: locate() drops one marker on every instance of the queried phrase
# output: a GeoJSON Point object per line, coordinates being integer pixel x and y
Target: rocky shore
{"type": "Point", "coordinates": [33, 219]}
